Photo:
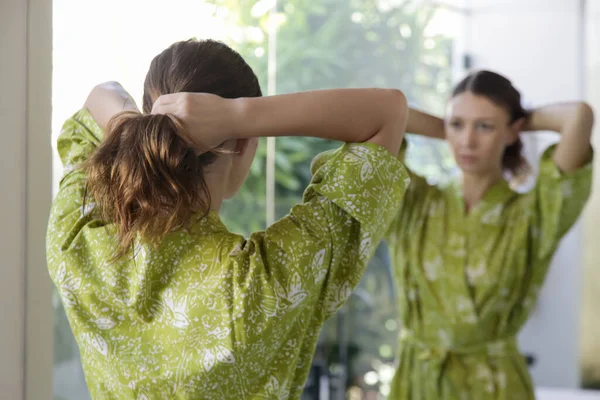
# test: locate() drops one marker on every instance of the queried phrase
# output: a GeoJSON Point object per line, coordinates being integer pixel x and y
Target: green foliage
{"type": "Point", "coordinates": [335, 43]}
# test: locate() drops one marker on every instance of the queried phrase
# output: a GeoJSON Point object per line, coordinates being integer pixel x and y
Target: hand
{"type": "Point", "coordinates": [527, 125]}
{"type": "Point", "coordinates": [208, 119]}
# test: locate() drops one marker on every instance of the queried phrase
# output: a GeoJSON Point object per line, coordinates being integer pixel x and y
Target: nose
{"type": "Point", "coordinates": [469, 137]}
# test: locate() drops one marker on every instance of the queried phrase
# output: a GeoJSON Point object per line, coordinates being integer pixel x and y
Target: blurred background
{"type": "Point", "coordinates": [54, 52]}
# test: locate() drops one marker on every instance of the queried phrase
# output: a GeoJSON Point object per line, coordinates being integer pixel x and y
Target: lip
{"type": "Point", "coordinates": [467, 158]}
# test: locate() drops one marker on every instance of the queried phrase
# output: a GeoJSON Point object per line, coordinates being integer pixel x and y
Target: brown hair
{"type": "Point", "coordinates": [500, 91]}
{"type": "Point", "coordinates": [144, 178]}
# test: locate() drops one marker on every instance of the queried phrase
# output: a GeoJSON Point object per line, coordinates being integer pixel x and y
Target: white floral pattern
{"type": "Point", "coordinates": [209, 314]}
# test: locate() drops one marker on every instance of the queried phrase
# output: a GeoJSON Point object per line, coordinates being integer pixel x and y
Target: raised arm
{"type": "Point", "coordinates": [574, 121]}
{"type": "Point", "coordinates": [108, 99]}
{"type": "Point", "coordinates": [349, 115]}
{"type": "Point", "coordinates": [424, 124]}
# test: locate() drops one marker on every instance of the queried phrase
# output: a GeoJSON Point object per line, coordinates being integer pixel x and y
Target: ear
{"type": "Point", "coordinates": [241, 145]}
{"type": "Point", "coordinates": [515, 129]}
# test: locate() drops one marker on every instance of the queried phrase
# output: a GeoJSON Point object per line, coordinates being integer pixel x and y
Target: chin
{"type": "Point", "coordinates": [473, 169]}
{"type": "Point", "coordinates": [229, 196]}
{"type": "Point", "coordinates": [480, 166]}
{"type": "Point", "coordinates": [468, 167]}
{"type": "Point", "coordinates": [231, 193]}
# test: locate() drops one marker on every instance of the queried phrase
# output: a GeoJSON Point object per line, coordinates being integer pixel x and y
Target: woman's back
{"type": "Point", "coordinates": [207, 314]}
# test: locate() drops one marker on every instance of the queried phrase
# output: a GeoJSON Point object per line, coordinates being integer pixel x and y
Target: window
{"type": "Point", "coordinates": [298, 45]}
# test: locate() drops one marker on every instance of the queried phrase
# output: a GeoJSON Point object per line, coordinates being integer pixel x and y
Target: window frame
{"type": "Point", "coordinates": [27, 334]}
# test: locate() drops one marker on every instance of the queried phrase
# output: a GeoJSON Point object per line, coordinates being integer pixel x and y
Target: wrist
{"type": "Point", "coordinates": [528, 125]}
{"type": "Point", "coordinates": [240, 109]}
{"type": "Point", "coordinates": [542, 119]}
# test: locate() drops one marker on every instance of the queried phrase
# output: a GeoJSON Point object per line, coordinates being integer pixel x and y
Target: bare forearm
{"type": "Point", "coordinates": [574, 121]}
{"type": "Point", "coordinates": [350, 115]}
{"type": "Point", "coordinates": [560, 117]}
{"type": "Point", "coordinates": [424, 124]}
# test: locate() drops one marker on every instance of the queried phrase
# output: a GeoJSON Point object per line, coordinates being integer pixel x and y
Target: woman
{"type": "Point", "coordinates": [470, 259]}
{"type": "Point", "coordinates": [164, 301]}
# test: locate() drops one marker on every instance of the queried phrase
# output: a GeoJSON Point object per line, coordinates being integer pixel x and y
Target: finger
{"type": "Point", "coordinates": [164, 109]}
{"type": "Point", "coordinates": [169, 98]}
{"type": "Point", "coordinates": [170, 108]}
{"type": "Point", "coordinates": [165, 103]}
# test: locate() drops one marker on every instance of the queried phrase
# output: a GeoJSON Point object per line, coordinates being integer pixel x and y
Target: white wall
{"type": "Point", "coordinates": [25, 179]}
{"type": "Point", "coordinates": [538, 44]}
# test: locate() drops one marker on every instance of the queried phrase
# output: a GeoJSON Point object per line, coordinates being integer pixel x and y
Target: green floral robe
{"type": "Point", "coordinates": [209, 314]}
{"type": "Point", "coordinates": [468, 282]}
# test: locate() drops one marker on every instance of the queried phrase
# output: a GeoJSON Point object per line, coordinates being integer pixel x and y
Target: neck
{"type": "Point", "coordinates": [216, 178]}
{"type": "Point", "coordinates": [475, 186]}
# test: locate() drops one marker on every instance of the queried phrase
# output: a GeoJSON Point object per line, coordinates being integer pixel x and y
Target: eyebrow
{"type": "Point", "coordinates": [493, 119]}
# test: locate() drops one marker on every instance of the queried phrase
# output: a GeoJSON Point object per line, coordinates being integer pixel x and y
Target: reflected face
{"type": "Point", "coordinates": [478, 131]}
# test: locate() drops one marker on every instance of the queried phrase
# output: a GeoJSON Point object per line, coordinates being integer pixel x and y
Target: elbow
{"type": "Point", "coordinates": [397, 106]}
{"type": "Point", "coordinates": [95, 95]}
{"type": "Point", "coordinates": [109, 85]}
{"type": "Point", "coordinates": [101, 89]}
{"type": "Point", "coordinates": [398, 100]}
{"type": "Point", "coordinates": [585, 113]}
{"type": "Point", "coordinates": [395, 116]}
